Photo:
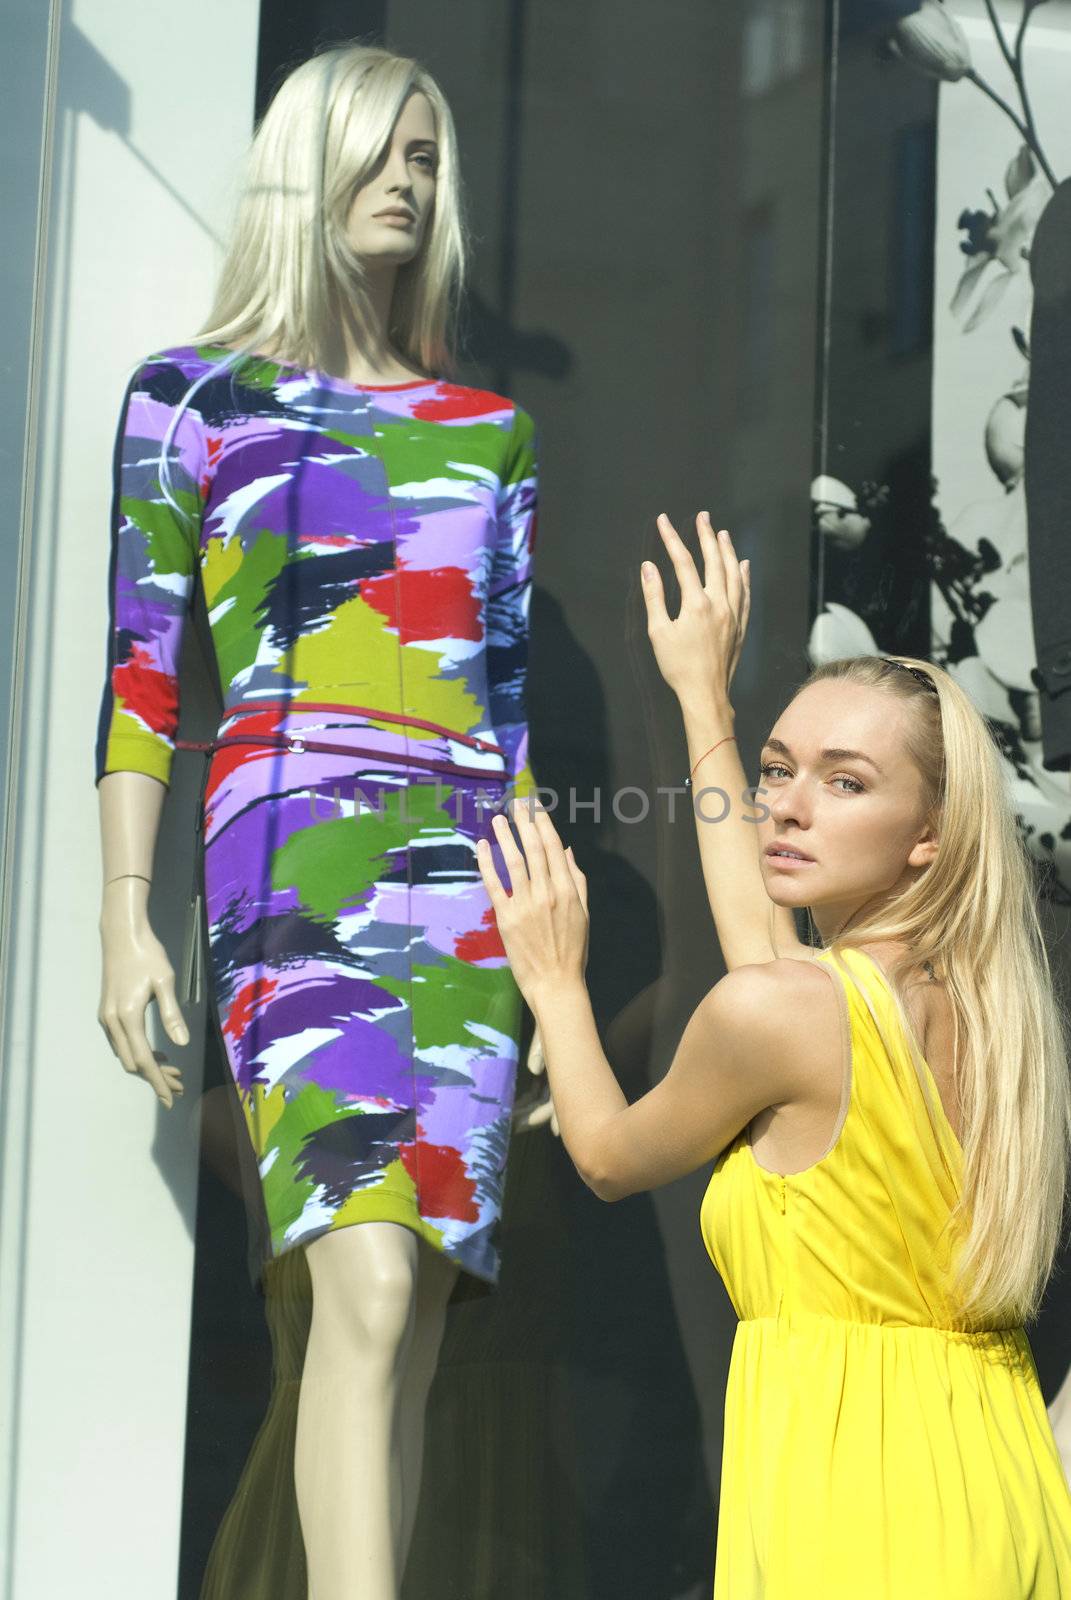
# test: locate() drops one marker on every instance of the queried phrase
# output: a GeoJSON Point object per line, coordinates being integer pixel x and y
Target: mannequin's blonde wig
{"type": "Point", "coordinates": [288, 268]}
{"type": "Point", "coordinates": [288, 265]}
{"type": "Point", "coordinates": [973, 915]}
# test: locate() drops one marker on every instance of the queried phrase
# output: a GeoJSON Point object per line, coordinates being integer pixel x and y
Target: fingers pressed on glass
{"type": "Point", "coordinates": [679, 554]}
{"type": "Point", "coordinates": [535, 853]}
{"type": "Point", "coordinates": [504, 834]}
{"type": "Point", "coordinates": [489, 873]}
{"type": "Point", "coordinates": [544, 825]}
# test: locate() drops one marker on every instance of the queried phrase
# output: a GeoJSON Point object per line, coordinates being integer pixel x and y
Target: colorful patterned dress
{"type": "Point", "coordinates": [365, 554]}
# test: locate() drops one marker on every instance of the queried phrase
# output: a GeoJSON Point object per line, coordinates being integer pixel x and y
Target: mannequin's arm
{"type": "Point", "coordinates": [509, 598]}
{"type": "Point", "coordinates": [154, 556]}
{"type": "Point", "coordinates": [135, 966]}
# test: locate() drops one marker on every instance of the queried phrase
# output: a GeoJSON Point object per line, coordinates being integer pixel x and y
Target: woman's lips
{"type": "Point", "coordinates": [783, 856]}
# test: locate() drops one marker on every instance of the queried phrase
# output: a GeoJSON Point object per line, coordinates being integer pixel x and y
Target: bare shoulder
{"type": "Point", "coordinates": [770, 989]}
{"type": "Point", "coordinates": [786, 1012]}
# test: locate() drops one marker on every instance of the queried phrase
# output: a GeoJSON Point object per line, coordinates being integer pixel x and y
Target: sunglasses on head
{"type": "Point", "coordinates": [921, 677]}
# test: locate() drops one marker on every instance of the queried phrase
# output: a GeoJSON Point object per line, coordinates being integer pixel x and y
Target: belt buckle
{"type": "Point", "coordinates": [297, 744]}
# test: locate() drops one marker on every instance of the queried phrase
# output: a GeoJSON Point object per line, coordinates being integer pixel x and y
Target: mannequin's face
{"type": "Point", "coordinates": [405, 178]}
{"type": "Point", "coordinates": [860, 818]}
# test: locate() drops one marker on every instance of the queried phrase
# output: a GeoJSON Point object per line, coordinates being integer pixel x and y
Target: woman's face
{"type": "Point", "coordinates": [404, 180]}
{"type": "Point", "coordinates": [845, 795]}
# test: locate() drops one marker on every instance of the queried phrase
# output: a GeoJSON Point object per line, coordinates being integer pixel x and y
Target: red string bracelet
{"type": "Point", "coordinates": [691, 775]}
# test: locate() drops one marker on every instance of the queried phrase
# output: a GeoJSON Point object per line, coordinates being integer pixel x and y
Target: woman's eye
{"type": "Point", "coordinates": [422, 155]}
{"type": "Point", "coordinates": [842, 778]}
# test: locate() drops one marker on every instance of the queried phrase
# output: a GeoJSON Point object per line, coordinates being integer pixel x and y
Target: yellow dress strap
{"type": "Point", "coordinates": [900, 1069]}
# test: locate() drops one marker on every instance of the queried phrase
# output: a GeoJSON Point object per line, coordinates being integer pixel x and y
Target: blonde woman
{"type": "Point", "coordinates": [889, 1118]}
{"type": "Point", "coordinates": [362, 528]}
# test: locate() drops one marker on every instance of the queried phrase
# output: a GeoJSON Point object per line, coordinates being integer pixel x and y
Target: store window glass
{"type": "Point", "coordinates": [771, 259]}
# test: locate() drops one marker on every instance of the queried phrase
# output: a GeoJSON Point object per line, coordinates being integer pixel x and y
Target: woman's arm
{"type": "Point", "coordinates": [749, 925]}
{"type": "Point", "coordinates": [697, 653]}
{"type": "Point", "coordinates": [738, 1054]}
{"type": "Point", "coordinates": [753, 1041]}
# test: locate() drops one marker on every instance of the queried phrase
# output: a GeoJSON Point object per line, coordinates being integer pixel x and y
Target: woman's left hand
{"type": "Point", "coordinates": [543, 918]}
{"type": "Point", "coordinates": [700, 647]}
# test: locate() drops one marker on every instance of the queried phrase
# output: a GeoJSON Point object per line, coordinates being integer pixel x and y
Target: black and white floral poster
{"type": "Point", "coordinates": [919, 519]}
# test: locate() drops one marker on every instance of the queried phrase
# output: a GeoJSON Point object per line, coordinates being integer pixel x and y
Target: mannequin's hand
{"type": "Point", "coordinates": [536, 1110]}
{"type": "Point", "coordinates": [699, 648]}
{"type": "Point", "coordinates": [135, 970]}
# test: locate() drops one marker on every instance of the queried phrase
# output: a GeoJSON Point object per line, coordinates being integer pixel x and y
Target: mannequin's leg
{"type": "Point", "coordinates": [435, 1280]}
{"type": "Point", "coordinates": [345, 1466]}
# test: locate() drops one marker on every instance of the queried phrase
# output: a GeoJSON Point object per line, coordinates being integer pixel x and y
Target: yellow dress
{"type": "Point", "coordinates": [873, 1448]}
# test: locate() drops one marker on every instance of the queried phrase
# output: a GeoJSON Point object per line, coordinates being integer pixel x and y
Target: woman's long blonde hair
{"type": "Point", "coordinates": [288, 265]}
{"type": "Point", "coordinates": [973, 914]}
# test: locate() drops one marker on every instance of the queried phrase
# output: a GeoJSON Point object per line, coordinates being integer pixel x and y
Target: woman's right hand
{"type": "Point", "coordinates": [697, 651]}
{"type": "Point", "coordinates": [135, 969]}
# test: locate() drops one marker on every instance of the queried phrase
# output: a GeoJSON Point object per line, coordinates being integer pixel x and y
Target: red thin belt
{"type": "Point", "coordinates": [471, 739]}
{"type": "Point", "coordinates": [298, 743]}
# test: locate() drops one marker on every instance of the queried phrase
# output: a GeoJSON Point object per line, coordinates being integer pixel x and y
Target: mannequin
{"type": "Point", "coordinates": [380, 1290]}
